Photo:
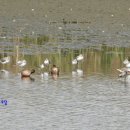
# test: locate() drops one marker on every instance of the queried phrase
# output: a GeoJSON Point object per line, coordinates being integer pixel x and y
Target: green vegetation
{"type": "Point", "coordinates": [97, 59]}
{"type": "Point", "coordinates": [42, 39]}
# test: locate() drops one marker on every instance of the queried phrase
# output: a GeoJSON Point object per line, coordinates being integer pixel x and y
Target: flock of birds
{"type": "Point", "coordinates": [125, 72]}
{"type": "Point", "coordinates": [54, 69]}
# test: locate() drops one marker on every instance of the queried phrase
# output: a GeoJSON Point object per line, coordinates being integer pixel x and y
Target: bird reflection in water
{"type": "Point", "coordinates": [28, 79]}
{"type": "Point", "coordinates": [4, 73]}
{"type": "Point", "coordinates": [54, 76]}
{"type": "Point", "coordinates": [45, 75]}
{"type": "Point", "coordinates": [77, 73]}
{"type": "Point", "coordinates": [26, 75]}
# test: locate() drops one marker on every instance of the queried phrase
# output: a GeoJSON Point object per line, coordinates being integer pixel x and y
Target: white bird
{"type": "Point", "coordinates": [80, 57]}
{"type": "Point", "coordinates": [74, 62]}
{"type": "Point", "coordinates": [124, 69]}
{"type": "Point", "coordinates": [21, 63]}
{"type": "Point", "coordinates": [46, 62]}
{"type": "Point", "coordinates": [124, 72]}
{"type": "Point", "coordinates": [5, 60]}
{"type": "Point", "coordinates": [127, 63]}
{"type": "Point", "coordinates": [42, 66]}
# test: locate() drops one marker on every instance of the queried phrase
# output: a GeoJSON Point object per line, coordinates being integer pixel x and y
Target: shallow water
{"type": "Point", "coordinates": [91, 98]}
{"type": "Point", "coordinates": [89, 102]}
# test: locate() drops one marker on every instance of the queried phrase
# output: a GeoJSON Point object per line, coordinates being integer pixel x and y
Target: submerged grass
{"type": "Point", "coordinates": [97, 59]}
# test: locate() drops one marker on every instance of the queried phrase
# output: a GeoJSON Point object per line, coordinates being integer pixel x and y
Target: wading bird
{"type": "Point", "coordinates": [74, 62]}
{"type": "Point", "coordinates": [126, 70]}
{"type": "Point", "coordinates": [21, 63]}
{"type": "Point", "coordinates": [80, 57]}
{"type": "Point", "coordinates": [46, 62]}
{"type": "Point", "coordinates": [5, 60]}
{"type": "Point", "coordinates": [42, 66]}
{"type": "Point", "coordinates": [127, 63]}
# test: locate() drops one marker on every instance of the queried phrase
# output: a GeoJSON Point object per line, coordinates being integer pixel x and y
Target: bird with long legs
{"type": "Point", "coordinates": [75, 62]}
{"type": "Point", "coordinates": [126, 70]}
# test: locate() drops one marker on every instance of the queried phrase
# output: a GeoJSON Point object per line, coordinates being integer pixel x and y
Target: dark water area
{"type": "Point", "coordinates": [86, 96]}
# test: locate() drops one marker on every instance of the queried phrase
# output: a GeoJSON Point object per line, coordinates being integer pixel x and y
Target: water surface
{"type": "Point", "coordinates": [87, 96]}
{"type": "Point", "coordinates": [94, 99]}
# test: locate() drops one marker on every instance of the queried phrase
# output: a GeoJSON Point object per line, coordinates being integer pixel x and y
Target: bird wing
{"type": "Point", "coordinates": [120, 70]}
